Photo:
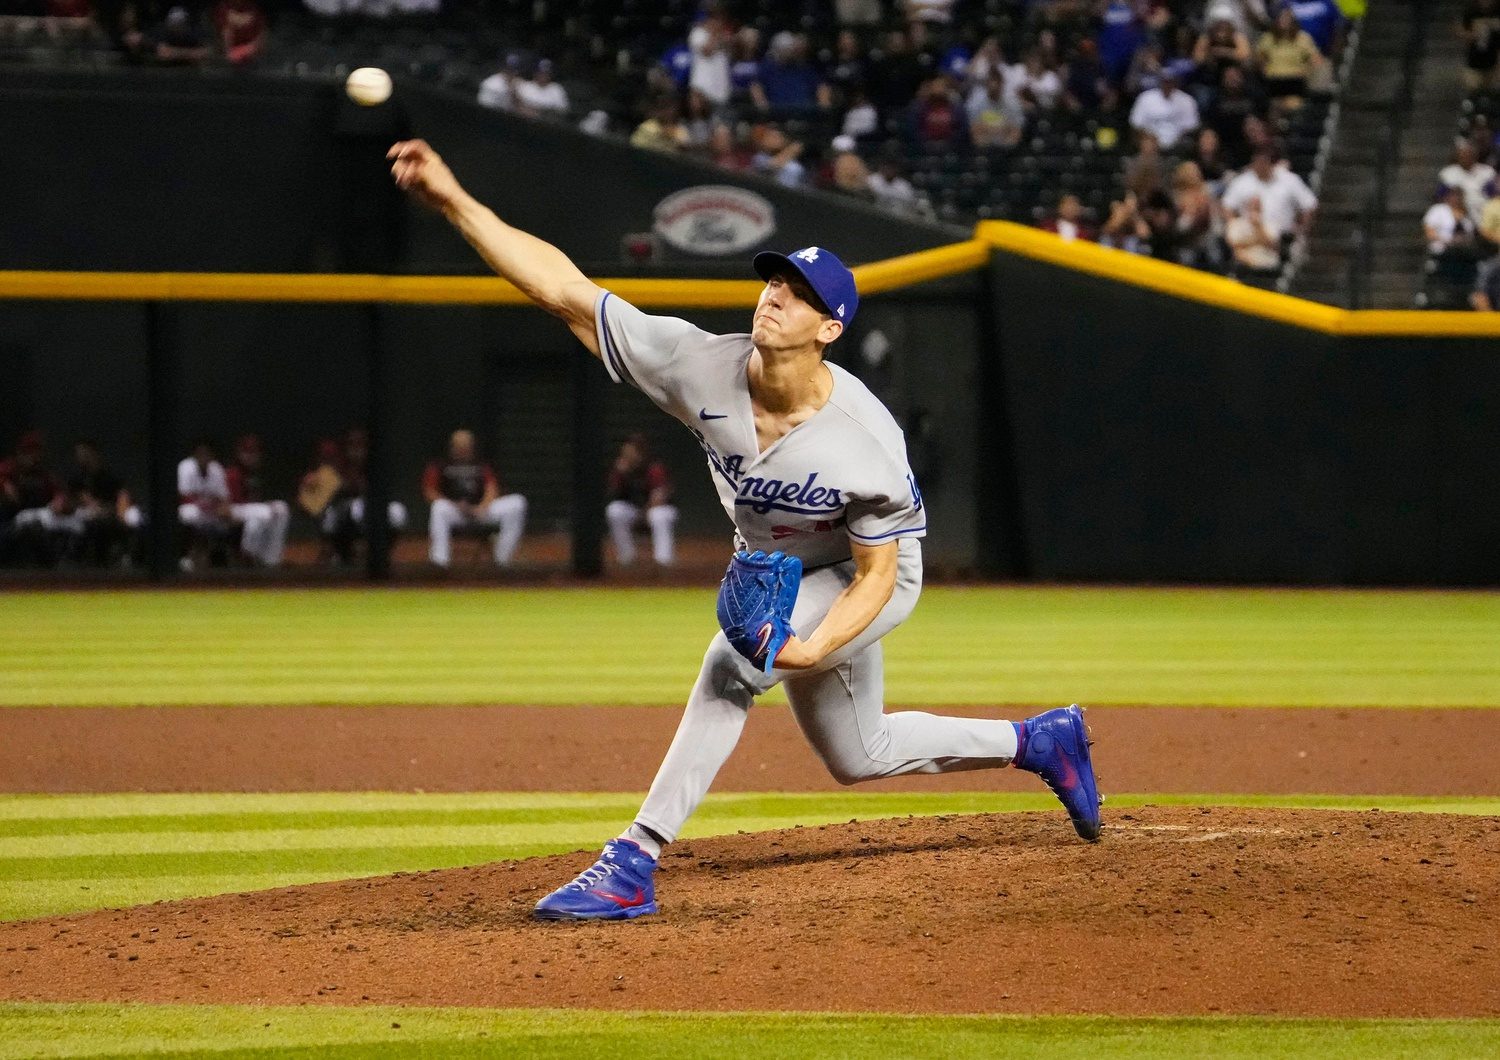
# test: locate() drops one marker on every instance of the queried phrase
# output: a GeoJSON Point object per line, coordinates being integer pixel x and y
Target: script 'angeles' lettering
{"type": "Point", "coordinates": [763, 494]}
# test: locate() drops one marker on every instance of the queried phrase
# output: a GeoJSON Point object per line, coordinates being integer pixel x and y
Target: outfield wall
{"type": "Point", "coordinates": [1162, 438]}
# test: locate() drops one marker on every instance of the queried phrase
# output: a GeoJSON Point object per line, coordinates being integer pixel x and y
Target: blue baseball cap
{"type": "Point", "coordinates": [829, 278]}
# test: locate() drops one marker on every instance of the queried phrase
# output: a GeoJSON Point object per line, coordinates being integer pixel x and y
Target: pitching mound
{"type": "Point", "coordinates": [1176, 911]}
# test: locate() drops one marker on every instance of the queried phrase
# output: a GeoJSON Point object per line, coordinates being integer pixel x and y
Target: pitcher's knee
{"type": "Point", "coordinates": [851, 769]}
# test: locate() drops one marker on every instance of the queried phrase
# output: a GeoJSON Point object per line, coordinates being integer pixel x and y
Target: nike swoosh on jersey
{"type": "Point", "coordinates": [704, 414]}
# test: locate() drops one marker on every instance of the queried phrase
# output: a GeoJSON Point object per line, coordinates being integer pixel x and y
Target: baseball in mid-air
{"type": "Point", "coordinates": [369, 86]}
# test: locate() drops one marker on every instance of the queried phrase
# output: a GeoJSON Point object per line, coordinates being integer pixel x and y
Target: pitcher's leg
{"type": "Point", "coordinates": [842, 713]}
{"type": "Point", "coordinates": [710, 728]}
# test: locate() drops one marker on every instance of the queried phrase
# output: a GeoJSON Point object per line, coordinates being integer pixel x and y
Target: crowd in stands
{"type": "Point", "coordinates": [1127, 121]}
{"type": "Point", "coordinates": [1461, 228]}
{"type": "Point", "coordinates": [228, 516]}
{"type": "Point", "coordinates": [1201, 90]}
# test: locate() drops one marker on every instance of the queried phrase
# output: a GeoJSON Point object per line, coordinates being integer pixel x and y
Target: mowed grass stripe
{"type": "Point", "coordinates": [75, 1030]}
{"type": "Point", "coordinates": [562, 646]}
{"type": "Point", "coordinates": [55, 872]}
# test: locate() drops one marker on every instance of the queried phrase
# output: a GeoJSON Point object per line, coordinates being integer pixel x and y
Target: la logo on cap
{"type": "Point", "coordinates": [810, 254]}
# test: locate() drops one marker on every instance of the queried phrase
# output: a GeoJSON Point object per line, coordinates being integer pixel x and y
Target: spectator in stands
{"type": "Point", "coordinates": [1237, 98]}
{"type": "Point", "coordinates": [699, 123]}
{"type": "Point", "coordinates": [1086, 87]}
{"type": "Point", "coordinates": [995, 116]}
{"type": "Point", "coordinates": [1286, 202]}
{"type": "Point", "coordinates": [1255, 245]}
{"type": "Point", "coordinates": [1126, 228]}
{"type": "Point", "coordinates": [988, 59]}
{"type": "Point", "coordinates": [1208, 157]}
{"type": "Point", "coordinates": [891, 188]}
{"type": "Point", "coordinates": [1070, 220]}
{"type": "Point", "coordinates": [1037, 84]}
{"type": "Point", "coordinates": [663, 130]}
{"type": "Point", "coordinates": [1167, 112]}
{"type": "Point", "coordinates": [1165, 239]}
{"type": "Point", "coordinates": [1448, 227]}
{"type": "Point", "coordinates": [895, 74]}
{"type": "Point", "coordinates": [710, 42]}
{"type": "Point", "coordinates": [1467, 172]}
{"type": "Point", "coordinates": [1120, 33]}
{"type": "Point", "coordinates": [1246, 15]}
{"type": "Point", "coordinates": [726, 151]}
{"type": "Point", "coordinates": [846, 71]}
{"type": "Point", "coordinates": [847, 172]}
{"type": "Point", "coordinates": [1197, 219]}
{"type": "Point", "coordinates": [744, 66]}
{"type": "Point", "coordinates": [1219, 48]}
{"type": "Point", "coordinates": [1258, 136]}
{"type": "Point", "coordinates": [203, 505]}
{"type": "Point", "coordinates": [1146, 69]}
{"type": "Point", "coordinates": [779, 157]}
{"type": "Point", "coordinates": [788, 84]}
{"type": "Point", "coordinates": [1489, 227]}
{"type": "Point", "coordinates": [102, 515]}
{"type": "Point", "coordinates": [927, 12]}
{"type": "Point", "coordinates": [1287, 57]}
{"type": "Point", "coordinates": [539, 96]}
{"type": "Point", "coordinates": [640, 494]}
{"type": "Point", "coordinates": [242, 30]}
{"type": "Point", "coordinates": [263, 521]}
{"type": "Point", "coordinates": [464, 492]}
{"type": "Point", "coordinates": [1322, 20]}
{"type": "Point", "coordinates": [937, 119]}
{"type": "Point", "coordinates": [861, 118]}
{"type": "Point", "coordinates": [1481, 32]}
{"type": "Point", "coordinates": [180, 40]}
{"type": "Point", "coordinates": [1146, 170]}
{"type": "Point", "coordinates": [498, 91]}
{"type": "Point", "coordinates": [1486, 294]}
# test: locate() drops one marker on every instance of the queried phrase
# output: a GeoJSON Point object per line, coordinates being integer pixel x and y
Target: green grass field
{"type": "Point", "coordinates": [233, 1031]}
{"type": "Point", "coordinates": [976, 645]}
{"type": "Point", "coordinates": [1188, 647]}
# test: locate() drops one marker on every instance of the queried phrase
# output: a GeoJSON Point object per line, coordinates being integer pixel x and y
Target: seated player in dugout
{"type": "Point", "coordinates": [333, 493]}
{"type": "Point", "coordinates": [463, 492]}
{"type": "Point", "coordinates": [264, 519]}
{"type": "Point", "coordinates": [640, 494]}
{"type": "Point", "coordinates": [797, 446]}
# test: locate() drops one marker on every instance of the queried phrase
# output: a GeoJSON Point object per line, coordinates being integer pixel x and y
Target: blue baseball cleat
{"type": "Point", "coordinates": [1055, 746]}
{"type": "Point", "coordinates": [616, 887]}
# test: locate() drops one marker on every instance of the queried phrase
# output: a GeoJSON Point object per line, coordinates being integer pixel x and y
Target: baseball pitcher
{"type": "Point", "coordinates": [811, 468]}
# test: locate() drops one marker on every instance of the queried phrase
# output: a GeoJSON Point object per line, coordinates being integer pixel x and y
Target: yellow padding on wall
{"type": "Point", "coordinates": [313, 287]}
{"type": "Point", "coordinates": [1207, 289]}
{"type": "Point", "coordinates": [874, 278]}
{"type": "Point", "coordinates": [895, 273]}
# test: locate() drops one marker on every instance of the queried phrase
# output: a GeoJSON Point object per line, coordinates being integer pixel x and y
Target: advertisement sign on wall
{"type": "Point", "coordinates": [714, 219]}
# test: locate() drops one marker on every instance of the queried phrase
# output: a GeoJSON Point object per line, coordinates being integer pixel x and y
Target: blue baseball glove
{"type": "Point", "coordinates": [755, 603]}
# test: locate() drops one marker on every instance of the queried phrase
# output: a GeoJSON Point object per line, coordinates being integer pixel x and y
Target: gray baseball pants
{"type": "Point", "coordinates": [839, 705]}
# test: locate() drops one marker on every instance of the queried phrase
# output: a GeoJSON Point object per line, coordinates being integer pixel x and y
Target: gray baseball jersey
{"type": "Point", "coordinates": [840, 475]}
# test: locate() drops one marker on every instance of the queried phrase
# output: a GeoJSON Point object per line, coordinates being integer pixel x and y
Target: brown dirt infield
{"type": "Point", "coordinates": [1176, 911]}
{"type": "Point", "coordinates": [1139, 749]}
